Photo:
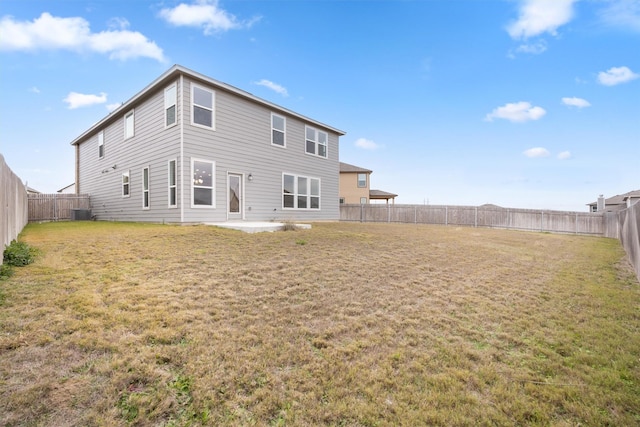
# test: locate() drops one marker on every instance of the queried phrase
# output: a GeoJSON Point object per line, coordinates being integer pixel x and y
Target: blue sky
{"type": "Point", "coordinates": [520, 103]}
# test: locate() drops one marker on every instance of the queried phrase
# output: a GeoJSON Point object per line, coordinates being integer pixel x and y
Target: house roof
{"type": "Point", "coordinates": [67, 187]}
{"type": "Point", "coordinates": [346, 167]}
{"type": "Point", "coordinates": [178, 70]}
{"type": "Point", "coordinates": [618, 199]}
{"type": "Point", "coordinates": [379, 194]}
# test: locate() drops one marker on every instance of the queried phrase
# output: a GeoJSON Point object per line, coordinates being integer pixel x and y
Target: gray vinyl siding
{"type": "Point", "coordinates": [240, 143]}
{"type": "Point", "coordinates": [151, 146]}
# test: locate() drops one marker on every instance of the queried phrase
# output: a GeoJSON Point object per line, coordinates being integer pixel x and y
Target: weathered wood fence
{"type": "Point", "coordinates": [625, 226]}
{"type": "Point", "coordinates": [55, 207]}
{"type": "Point", "coordinates": [478, 216]}
{"type": "Point", "coordinates": [13, 205]}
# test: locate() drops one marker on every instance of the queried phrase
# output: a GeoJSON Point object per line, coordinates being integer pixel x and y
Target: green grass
{"type": "Point", "coordinates": [342, 325]}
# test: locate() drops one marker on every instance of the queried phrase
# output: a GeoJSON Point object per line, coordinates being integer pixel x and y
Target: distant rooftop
{"type": "Point", "coordinates": [346, 167]}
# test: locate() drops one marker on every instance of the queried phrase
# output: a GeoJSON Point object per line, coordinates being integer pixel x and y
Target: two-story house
{"type": "Point", "coordinates": [615, 203]}
{"type": "Point", "coordinates": [188, 148]}
{"type": "Point", "coordinates": [355, 186]}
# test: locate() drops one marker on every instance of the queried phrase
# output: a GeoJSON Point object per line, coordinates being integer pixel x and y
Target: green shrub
{"type": "Point", "coordinates": [18, 254]}
{"type": "Point", "coordinates": [6, 271]}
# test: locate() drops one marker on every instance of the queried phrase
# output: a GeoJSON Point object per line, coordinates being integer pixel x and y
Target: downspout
{"type": "Point", "coordinates": [78, 168]}
{"type": "Point", "coordinates": [181, 149]}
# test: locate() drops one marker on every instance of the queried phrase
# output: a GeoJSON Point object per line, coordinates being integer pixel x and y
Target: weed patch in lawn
{"type": "Point", "coordinates": [362, 324]}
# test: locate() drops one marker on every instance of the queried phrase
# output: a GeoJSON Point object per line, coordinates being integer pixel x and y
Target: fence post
{"type": "Point", "coordinates": [542, 221]}
{"type": "Point", "coordinates": [476, 220]}
{"type": "Point", "coordinates": [576, 228]}
{"type": "Point", "coordinates": [361, 212]}
{"type": "Point", "coordinates": [446, 215]}
{"type": "Point", "coordinates": [388, 213]}
{"type": "Point", "coordinates": [415, 214]}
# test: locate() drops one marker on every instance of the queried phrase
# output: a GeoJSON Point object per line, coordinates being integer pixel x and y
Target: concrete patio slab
{"type": "Point", "coordinates": [255, 226]}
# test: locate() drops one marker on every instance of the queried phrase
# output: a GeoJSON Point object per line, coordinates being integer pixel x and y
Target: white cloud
{"type": "Point", "coordinates": [564, 155]}
{"type": "Point", "coordinates": [576, 102]}
{"type": "Point", "coordinates": [516, 112]}
{"type": "Point", "coordinates": [622, 14]}
{"type": "Point", "coordinates": [113, 107]}
{"type": "Point", "coordinates": [533, 49]}
{"type": "Point", "coordinates": [273, 86]}
{"type": "Point", "coordinates": [205, 14]}
{"type": "Point", "coordinates": [541, 16]}
{"type": "Point", "coordinates": [366, 144]}
{"type": "Point", "coordinates": [536, 152]}
{"type": "Point", "coordinates": [616, 75]}
{"type": "Point", "coordinates": [78, 100]}
{"type": "Point", "coordinates": [34, 89]}
{"type": "Point", "coordinates": [52, 33]}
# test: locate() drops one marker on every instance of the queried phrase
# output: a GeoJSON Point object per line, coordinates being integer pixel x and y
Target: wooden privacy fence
{"type": "Point", "coordinates": [625, 226]}
{"type": "Point", "coordinates": [520, 219]}
{"type": "Point", "coordinates": [13, 205]}
{"type": "Point", "coordinates": [55, 207]}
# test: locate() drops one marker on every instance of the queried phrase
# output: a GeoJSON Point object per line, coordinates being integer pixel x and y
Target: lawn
{"type": "Point", "coordinates": [345, 324]}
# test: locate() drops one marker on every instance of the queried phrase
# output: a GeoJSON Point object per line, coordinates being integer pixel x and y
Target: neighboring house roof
{"type": "Point", "coordinates": [346, 167]}
{"type": "Point", "coordinates": [68, 187]}
{"type": "Point", "coordinates": [619, 199]}
{"type": "Point", "coordinates": [32, 190]}
{"type": "Point", "coordinates": [178, 70]}
{"type": "Point", "coordinates": [379, 194]}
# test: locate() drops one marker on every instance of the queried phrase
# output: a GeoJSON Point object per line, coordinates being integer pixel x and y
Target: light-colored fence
{"type": "Point", "coordinates": [13, 205]}
{"type": "Point", "coordinates": [625, 226]}
{"type": "Point", "coordinates": [55, 207]}
{"type": "Point", "coordinates": [478, 216]}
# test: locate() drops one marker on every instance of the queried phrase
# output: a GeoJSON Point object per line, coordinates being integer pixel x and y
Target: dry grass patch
{"type": "Point", "coordinates": [360, 325]}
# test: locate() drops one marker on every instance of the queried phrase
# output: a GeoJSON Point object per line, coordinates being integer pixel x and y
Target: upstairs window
{"type": "Point", "coordinates": [125, 184]}
{"type": "Point", "coordinates": [128, 125]}
{"type": "Point", "coordinates": [101, 144]}
{"type": "Point", "coordinates": [316, 142]}
{"type": "Point", "coordinates": [278, 124]}
{"type": "Point", "coordinates": [203, 102]}
{"type": "Point", "coordinates": [362, 180]}
{"type": "Point", "coordinates": [170, 106]}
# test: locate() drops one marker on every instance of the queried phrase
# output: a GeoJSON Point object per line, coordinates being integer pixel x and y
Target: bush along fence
{"type": "Point", "coordinates": [13, 205]}
{"type": "Point", "coordinates": [478, 216]}
{"type": "Point", "coordinates": [56, 207]}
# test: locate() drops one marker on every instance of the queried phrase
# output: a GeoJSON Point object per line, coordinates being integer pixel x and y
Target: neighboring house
{"type": "Point", "coordinates": [69, 189]}
{"type": "Point", "coordinates": [355, 186]}
{"type": "Point", "coordinates": [32, 191]}
{"type": "Point", "coordinates": [615, 203]}
{"type": "Point", "coordinates": [188, 149]}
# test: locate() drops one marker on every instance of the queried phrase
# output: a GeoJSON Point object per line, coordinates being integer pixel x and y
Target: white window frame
{"type": "Point", "coordinates": [101, 144]}
{"type": "Point", "coordinates": [129, 114]}
{"type": "Point", "coordinates": [365, 179]}
{"type": "Point", "coordinates": [146, 196]}
{"type": "Point", "coordinates": [212, 109]}
{"type": "Point", "coordinates": [212, 187]}
{"type": "Point", "coordinates": [126, 184]}
{"type": "Point", "coordinates": [363, 200]}
{"type": "Point", "coordinates": [171, 100]}
{"type": "Point", "coordinates": [283, 131]}
{"type": "Point", "coordinates": [316, 142]}
{"type": "Point", "coordinates": [172, 187]}
{"type": "Point", "coordinates": [307, 195]}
